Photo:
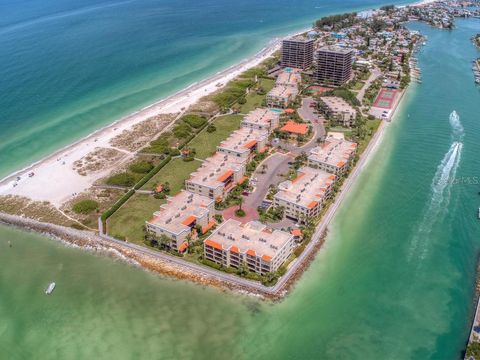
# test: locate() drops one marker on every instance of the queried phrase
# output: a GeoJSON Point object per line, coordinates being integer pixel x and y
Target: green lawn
{"type": "Point", "coordinates": [254, 100]}
{"type": "Point", "coordinates": [206, 143]}
{"type": "Point", "coordinates": [358, 85]}
{"type": "Point", "coordinates": [127, 223]}
{"type": "Point", "coordinates": [372, 126]}
{"type": "Point", "coordinates": [175, 172]}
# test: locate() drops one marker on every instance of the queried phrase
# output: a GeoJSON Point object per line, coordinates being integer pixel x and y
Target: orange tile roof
{"type": "Point", "coordinates": [189, 220]}
{"type": "Point", "coordinates": [332, 177]}
{"type": "Point", "coordinates": [262, 150]}
{"type": "Point", "coordinates": [225, 175]}
{"type": "Point", "coordinates": [251, 252]}
{"type": "Point", "coordinates": [183, 247]}
{"type": "Point", "coordinates": [207, 227]}
{"type": "Point", "coordinates": [242, 180]}
{"type": "Point", "coordinates": [213, 244]}
{"type": "Point", "coordinates": [299, 176]}
{"type": "Point", "coordinates": [289, 111]}
{"type": "Point", "coordinates": [235, 249]}
{"type": "Point", "coordinates": [295, 128]}
{"type": "Point", "coordinates": [312, 204]}
{"type": "Point", "coordinates": [266, 258]}
{"type": "Point", "coordinates": [250, 144]}
{"type": "Point", "coordinates": [296, 232]}
{"type": "Point", "coordinates": [341, 163]}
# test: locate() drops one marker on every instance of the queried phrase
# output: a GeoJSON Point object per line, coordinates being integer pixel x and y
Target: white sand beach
{"type": "Point", "coordinates": [54, 178]}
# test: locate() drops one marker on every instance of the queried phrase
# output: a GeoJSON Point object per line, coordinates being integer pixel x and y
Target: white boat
{"type": "Point", "coordinates": [479, 213]}
{"type": "Point", "coordinates": [50, 288]}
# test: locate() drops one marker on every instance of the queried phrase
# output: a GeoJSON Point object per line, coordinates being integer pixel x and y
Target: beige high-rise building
{"type": "Point", "coordinates": [333, 65]}
{"type": "Point", "coordinates": [297, 52]}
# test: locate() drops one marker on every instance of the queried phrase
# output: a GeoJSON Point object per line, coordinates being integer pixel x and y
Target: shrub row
{"type": "Point", "coordinates": [152, 173]}
{"type": "Point", "coordinates": [116, 206]}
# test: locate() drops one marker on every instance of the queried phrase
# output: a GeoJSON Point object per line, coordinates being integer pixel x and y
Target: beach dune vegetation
{"type": "Point", "coordinates": [122, 179]}
{"type": "Point", "coordinates": [85, 206]}
{"type": "Point", "coordinates": [233, 91]}
{"type": "Point", "coordinates": [182, 131]}
{"type": "Point", "coordinates": [195, 121]}
{"type": "Point", "coordinates": [141, 167]}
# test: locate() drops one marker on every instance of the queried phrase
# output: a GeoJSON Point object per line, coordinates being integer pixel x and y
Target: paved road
{"type": "Point", "coordinates": [376, 73]}
{"type": "Point", "coordinates": [317, 121]}
{"type": "Point", "coordinates": [276, 164]}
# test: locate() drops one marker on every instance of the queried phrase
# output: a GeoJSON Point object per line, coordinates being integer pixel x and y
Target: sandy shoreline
{"type": "Point", "coordinates": [55, 180]}
{"type": "Point", "coordinates": [57, 169]}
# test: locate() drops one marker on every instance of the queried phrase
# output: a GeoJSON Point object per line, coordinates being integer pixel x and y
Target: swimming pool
{"type": "Point", "coordinates": [276, 110]}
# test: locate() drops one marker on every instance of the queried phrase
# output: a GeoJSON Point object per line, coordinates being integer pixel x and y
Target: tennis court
{"type": "Point", "coordinates": [385, 99]}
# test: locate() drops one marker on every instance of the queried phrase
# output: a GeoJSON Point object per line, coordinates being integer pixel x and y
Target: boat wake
{"type": "Point", "coordinates": [440, 191]}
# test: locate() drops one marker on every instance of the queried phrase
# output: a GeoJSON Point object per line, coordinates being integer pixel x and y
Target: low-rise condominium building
{"type": "Point", "coordinates": [261, 119]}
{"type": "Point", "coordinates": [216, 176]}
{"type": "Point", "coordinates": [261, 249]}
{"type": "Point", "coordinates": [303, 196]}
{"type": "Point", "coordinates": [179, 217]}
{"type": "Point", "coordinates": [242, 143]}
{"type": "Point", "coordinates": [280, 96]}
{"type": "Point", "coordinates": [334, 155]}
{"type": "Point", "coordinates": [338, 110]}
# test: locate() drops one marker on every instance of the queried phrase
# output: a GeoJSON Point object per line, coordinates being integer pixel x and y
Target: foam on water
{"type": "Point", "coordinates": [457, 127]}
{"type": "Point", "coordinates": [440, 191]}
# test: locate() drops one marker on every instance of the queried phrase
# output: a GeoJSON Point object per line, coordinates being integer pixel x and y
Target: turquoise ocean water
{"type": "Point", "coordinates": [68, 67]}
{"type": "Point", "coordinates": [394, 280]}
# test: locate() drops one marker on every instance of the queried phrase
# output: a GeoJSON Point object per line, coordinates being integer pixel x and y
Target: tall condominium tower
{"type": "Point", "coordinates": [334, 65]}
{"type": "Point", "coordinates": [297, 52]}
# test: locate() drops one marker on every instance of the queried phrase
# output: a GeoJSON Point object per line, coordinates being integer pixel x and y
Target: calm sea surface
{"type": "Point", "coordinates": [395, 279]}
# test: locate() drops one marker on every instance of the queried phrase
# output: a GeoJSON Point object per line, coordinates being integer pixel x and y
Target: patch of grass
{"type": "Point", "coordinates": [175, 173]}
{"type": "Point", "coordinates": [182, 131]}
{"type": "Point", "coordinates": [254, 100]}
{"type": "Point", "coordinates": [124, 179]}
{"type": "Point", "coordinates": [371, 127]}
{"type": "Point", "coordinates": [141, 167]}
{"type": "Point", "coordinates": [205, 143]}
{"type": "Point", "coordinates": [85, 206]}
{"type": "Point", "coordinates": [357, 85]}
{"type": "Point", "coordinates": [128, 221]}
{"type": "Point", "coordinates": [194, 121]}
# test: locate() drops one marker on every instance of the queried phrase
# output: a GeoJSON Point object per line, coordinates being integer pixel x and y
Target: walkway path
{"type": "Point", "coordinates": [376, 73]}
